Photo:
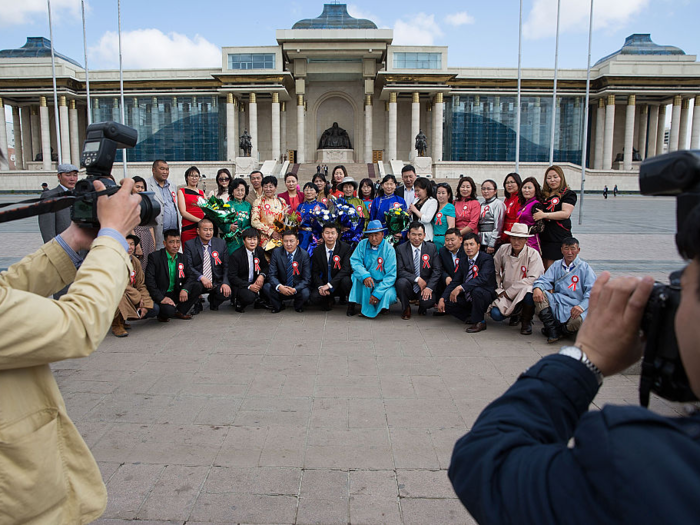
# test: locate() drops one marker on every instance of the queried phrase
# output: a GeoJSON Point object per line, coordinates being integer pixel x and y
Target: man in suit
{"type": "Point", "coordinates": [419, 271]}
{"type": "Point", "coordinates": [407, 192]}
{"type": "Point", "coordinates": [330, 269]}
{"type": "Point", "coordinates": [207, 260]}
{"type": "Point", "coordinates": [451, 256]}
{"type": "Point", "coordinates": [168, 218]}
{"type": "Point", "coordinates": [166, 275]}
{"type": "Point", "coordinates": [290, 274]}
{"type": "Point", "coordinates": [473, 288]}
{"type": "Point", "coordinates": [247, 271]}
{"type": "Point", "coordinates": [51, 224]}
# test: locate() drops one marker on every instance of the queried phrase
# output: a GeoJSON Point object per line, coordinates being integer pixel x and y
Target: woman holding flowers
{"type": "Point", "coordinates": [243, 209]}
{"type": "Point", "coordinates": [265, 210]}
{"type": "Point", "coordinates": [445, 216]}
{"type": "Point", "coordinates": [386, 202]}
{"type": "Point", "coordinates": [306, 211]}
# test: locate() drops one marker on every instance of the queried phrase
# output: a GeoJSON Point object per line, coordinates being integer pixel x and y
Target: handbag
{"type": "Point", "coordinates": [538, 227]}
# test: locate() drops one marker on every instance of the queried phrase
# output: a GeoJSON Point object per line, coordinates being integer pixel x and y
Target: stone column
{"type": "Point", "coordinates": [629, 132]}
{"type": "Point", "coordinates": [283, 128]}
{"type": "Point", "coordinates": [65, 129]}
{"type": "Point", "coordinates": [642, 134]}
{"type": "Point", "coordinates": [35, 127]}
{"type": "Point", "coordinates": [415, 122]}
{"type": "Point", "coordinates": [45, 134]}
{"type": "Point", "coordinates": [386, 130]}
{"type": "Point", "coordinates": [661, 129]}
{"type": "Point", "coordinates": [26, 136]}
{"type": "Point", "coordinates": [275, 122]}
{"type": "Point", "coordinates": [17, 129]}
{"type": "Point", "coordinates": [653, 129]}
{"type": "Point", "coordinates": [5, 160]}
{"type": "Point", "coordinates": [301, 132]}
{"type": "Point", "coordinates": [599, 134]}
{"type": "Point", "coordinates": [391, 150]}
{"type": "Point", "coordinates": [253, 123]}
{"type": "Point", "coordinates": [155, 117]}
{"type": "Point", "coordinates": [438, 112]}
{"type": "Point", "coordinates": [675, 124]}
{"type": "Point", "coordinates": [231, 128]}
{"type": "Point", "coordinates": [368, 128]}
{"type": "Point", "coordinates": [683, 133]}
{"type": "Point", "coordinates": [609, 128]}
{"type": "Point", "coordinates": [695, 135]}
{"type": "Point", "coordinates": [74, 134]}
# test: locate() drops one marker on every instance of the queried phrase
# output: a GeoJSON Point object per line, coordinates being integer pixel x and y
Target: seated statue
{"type": "Point", "coordinates": [335, 137]}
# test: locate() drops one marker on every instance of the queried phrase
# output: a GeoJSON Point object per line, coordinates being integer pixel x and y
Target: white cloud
{"type": "Point", "coordinates": [574, 15]}
{"type": "Point", "coordinates": [355, 12]}
{"type": "Point", "coordinates": [151, 48]}
{"type": "Point", "coordinates": [419, 30]}
{"type": "Point", "coordinates": [459, 19]}
{"type": "Point", "coordinates": [26, 11]}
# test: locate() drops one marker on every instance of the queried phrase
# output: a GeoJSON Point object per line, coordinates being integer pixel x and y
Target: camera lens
{"type": "Point", "coordinates": [150, 208]}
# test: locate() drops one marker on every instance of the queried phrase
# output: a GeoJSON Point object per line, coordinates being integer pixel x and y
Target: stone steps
{"type": "Point", "coordinates": [357, 171]}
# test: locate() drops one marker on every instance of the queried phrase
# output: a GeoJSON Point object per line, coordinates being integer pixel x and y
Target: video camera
{"type": "Point", "coordinates": [99, 152]}
{"type": "Point", "coordinates": [675, 174]}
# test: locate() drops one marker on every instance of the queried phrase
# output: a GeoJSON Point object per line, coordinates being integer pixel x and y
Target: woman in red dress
{"type": "Point", "coordinates": [187, 198]}
{"type": "Point", "coordinates": [511, 191]}
{"type": "Point", "coordinates": [293, 197]}
{"type": "Point", "coordinates": [467, 207]}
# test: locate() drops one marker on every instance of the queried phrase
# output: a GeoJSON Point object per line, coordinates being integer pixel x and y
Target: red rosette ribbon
{"type": "Point", "coordinates": [475, 271]}
{"type": "Point", "coordinates": [336, 262]}
{"type": "Point", "coordinates": [426, 261]}
{"type": "Point", "coordinates": [552, 204]}
{"type": "Point", "coordinates": [295, 268]}
{"type": "Point", "coordinates": [256, 261]}
{"type": "Point", "coordinates": [574, 282]}
{"type": "Point", "coordinates": [132, 278]}
{"type": "Point", "coordinates": [486, 209]}
{"type": "Point", "coordinates": [380, 264]}
{"type": "Point", "coordinates": [438, 218]}
{"type": "Point", "coordinates": [215, 255]}
{"type": "Point", "coordinates": [524, 270]}
{"type": "Point", "coordinates": [181, 271]}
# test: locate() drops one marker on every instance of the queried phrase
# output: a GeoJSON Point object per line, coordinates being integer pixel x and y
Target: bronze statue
{"type": "Point", "coordinates": [335, 137]}
{"type": "Point", "coordinates": [245, 143]}
{"type": "Point", "coordinates": [421, 143]}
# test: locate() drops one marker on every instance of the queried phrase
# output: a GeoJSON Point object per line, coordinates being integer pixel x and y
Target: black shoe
{"type": "Point", "coordinates": [240, 309]}
{"type": "Point", "coordinates": [275, 310]}
{"type": "Point", "coordinates": [351, 310]}
{"type": "Point", "coordinates": [552, 328]}
{"type": "Point", "coordinates": [438, 314]}
{"type": "Point", "coordinates": [300, 309]}
{"type": "Point", "coordinates": [197, 308]}
{"type": "Point", "coordinates": [343, 300]}
{"type": "Point", "coordinates": [214, 307]}
{"type": "Point", "coordinates": [261, 305]}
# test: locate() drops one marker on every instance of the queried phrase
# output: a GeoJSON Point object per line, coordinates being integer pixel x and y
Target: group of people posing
{"type": "Point", "coordinates": [462, 256]}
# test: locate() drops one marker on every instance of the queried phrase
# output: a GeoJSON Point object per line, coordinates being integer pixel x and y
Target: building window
{"type": "Point", "coordinates": [251, 61]}
{"type": "Point", "coordinates": [418, 60]}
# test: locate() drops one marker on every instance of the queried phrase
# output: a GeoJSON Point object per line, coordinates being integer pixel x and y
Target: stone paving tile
{"type": "Point", "coordinates": [379, 483]}
{"type": "Point", "coordinates": [128, 489]}
{"type": "Point", "coordinates": [424, 484]}
{"type": "Point", "coordinates": [372, 510]}
{"type": "Point", "coordinates": [284, 447]}
{"type": "Point", "coordinates": [413, 448]}
{"type": "Point", "coordinates": [242, 447]}
{"type": "Point", "coordinates": [316, 511]}
{"type": "Point", "coordinates": [417, 511]}
{"type": "Point", "coordinates": [260, 481]}
{"type": "Point", "coordinates": [174, 494]}
{"type": "Point", "coordinates": [244, 508]}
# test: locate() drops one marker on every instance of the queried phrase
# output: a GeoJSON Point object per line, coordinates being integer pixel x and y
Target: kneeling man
{"type": "Point", "coordinates": [290, 274]}
{"type": "Point", "coordinates": [561, 294]}
{"type": "Point", "coordinates": [247, 271]}
{"type": "Point", "coordinates": [374, 273]}
{"type": "Point", "coordinates": [330, 268]}
{"type": "Point", "coordinates": [207, 259]}
{"type": "Point", "coordinates": [517, 267]}
{"type": "Point", "coordinates": [419, 271]}
{"type": "Point", "coordinates": [473, 289]}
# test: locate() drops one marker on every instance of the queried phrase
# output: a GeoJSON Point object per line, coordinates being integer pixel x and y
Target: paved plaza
{"type": "Point", "coordinates": [315, 417]}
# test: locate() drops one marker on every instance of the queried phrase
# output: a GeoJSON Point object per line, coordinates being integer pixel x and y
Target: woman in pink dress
{"type": "Point", "coordinates": [530, 197]}
{"type": "Point", "coordinates": [467, 207]}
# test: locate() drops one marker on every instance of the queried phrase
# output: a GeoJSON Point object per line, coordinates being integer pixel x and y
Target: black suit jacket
{"type": "Point", "coordinates": [319, 264]}
{"type": "Point", "coordinates": [278, 268]}
{"type": "Point", "coordinates": [53, 223]}
{"type": "Point", "coordinates": [158, 277]}
{"type": "Point", "coordinates": [238, 268]}
{"type": "Point", "coordinates": [485, 276]}
{"type": "Point", "coordinates": [430, 268]}
{"type": "Point", "coordinates": [448, 267]}
{"type": "Point", "coordinates": [193, 254]}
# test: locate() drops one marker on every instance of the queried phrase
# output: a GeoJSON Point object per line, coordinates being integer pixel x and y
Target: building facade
{"type": "Point", "coordinates": [336, 68]}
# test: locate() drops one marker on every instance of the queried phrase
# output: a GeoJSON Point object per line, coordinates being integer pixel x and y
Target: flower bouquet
{"type": "Point", "coordinates": [320, 218]}
{"type": "Point", "coordinates": [350, 222]}
{"type": "Point", "coordinates": [221, 213]}
{"type": "Point", "coordinates": [397, 221]}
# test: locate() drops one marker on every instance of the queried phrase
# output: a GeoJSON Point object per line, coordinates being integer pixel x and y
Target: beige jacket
{"type": "Point", "coordinates": [515, 276]}
{"type": "Point", "coordinates": [47, 473]}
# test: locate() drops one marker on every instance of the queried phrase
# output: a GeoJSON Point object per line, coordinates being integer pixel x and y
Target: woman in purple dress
{"type": "Point", "coordinates": [530, 197]}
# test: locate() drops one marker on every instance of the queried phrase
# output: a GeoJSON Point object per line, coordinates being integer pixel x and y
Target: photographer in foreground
{"type": "Point", "coordinates": [625, 464]}
{"type": "Point", "coordinates": [47, 473]}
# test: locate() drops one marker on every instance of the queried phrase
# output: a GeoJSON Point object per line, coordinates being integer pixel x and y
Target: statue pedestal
{"type": "Point", "coordinates": [423, 165]}
{"type": "Point", "coordinates": [244, 165]}
{"type": "Point", "coordinates": [346, 156]}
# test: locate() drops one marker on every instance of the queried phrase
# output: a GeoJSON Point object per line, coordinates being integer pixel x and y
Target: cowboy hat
{"type": "Point", "coordinates": [519, 230]}
{"type": "Point", "coordinates": [348, 180]}
{"type": "Point", "coordinates": [374, 227]}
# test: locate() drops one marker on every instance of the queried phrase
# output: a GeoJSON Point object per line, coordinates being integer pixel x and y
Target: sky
{"type": "Point", "coordinates": [186, 34]}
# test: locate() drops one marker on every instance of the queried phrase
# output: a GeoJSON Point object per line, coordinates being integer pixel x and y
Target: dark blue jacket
{"type": "Point", "coordinates": [278, 268]}
{"type": "Point", "coordinates": [627, 464]}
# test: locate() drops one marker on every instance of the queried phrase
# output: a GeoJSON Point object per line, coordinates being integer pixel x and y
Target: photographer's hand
{"type": "Point", "coordinates": [610, 334]}
{"type": "Point", "coordinates": [121, 211]}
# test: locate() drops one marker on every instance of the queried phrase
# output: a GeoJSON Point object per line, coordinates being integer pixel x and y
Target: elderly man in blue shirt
{"type": "Point", "coordinates": [561, 294]}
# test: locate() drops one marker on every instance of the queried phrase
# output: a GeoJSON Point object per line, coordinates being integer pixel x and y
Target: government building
{"type": "Point", "coordinates": [343, 70]}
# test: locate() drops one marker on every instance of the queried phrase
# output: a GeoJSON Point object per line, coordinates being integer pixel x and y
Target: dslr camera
{"type": "Point", "coordinates": [674, 174]}
{"type": "Point", "coordinates": [102, 141]}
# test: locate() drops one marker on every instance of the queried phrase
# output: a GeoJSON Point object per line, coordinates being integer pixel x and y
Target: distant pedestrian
{"type": "Point", "coordinates": [44, 186]}
{"type": "Point", "coordinates": [615, 191]}
{"type": "Point", "coordinates": [605, 192]}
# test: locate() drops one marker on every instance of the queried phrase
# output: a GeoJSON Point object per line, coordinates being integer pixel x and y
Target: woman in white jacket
{"type": "Point", "coordinates": [424, 206]}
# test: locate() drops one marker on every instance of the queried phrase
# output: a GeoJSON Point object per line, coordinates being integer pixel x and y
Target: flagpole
{"type": "Point", "coordinates": [55, 94]}
{"type": "Point", "coordinates": [585, 117]}
{"type": "Point", "coordinates": [121, 78]}
{"type": "Point", "coordinates": [517, 115]}
{"type": "Point", "coordinates": [554, 93]}
{"type": "Point", "coordinates": [87, 73]}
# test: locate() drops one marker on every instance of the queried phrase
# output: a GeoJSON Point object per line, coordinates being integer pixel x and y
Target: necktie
{"type": "Point", "coordinates": [290, 270]}
{"type": "Point", "coordinates": [251, 267]}
{"type": "Point", "coordinates": [330, 258]}
{"type": "Point", "coordinates": [470, 272]}
{"type": "Point", "coordinates": [416, 268]}
{"type": "Point", "coordinates": [206, 263]}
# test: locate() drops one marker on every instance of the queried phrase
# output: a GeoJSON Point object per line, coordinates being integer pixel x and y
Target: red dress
{"type": "Point", "coordinates": [189, 228]}
{"type": "Point", "coordinates": [293, 202]}
{"type": "Point", "coordinates": [467, 214]}
{"type": "Point", "coordinates": [512, 208]}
